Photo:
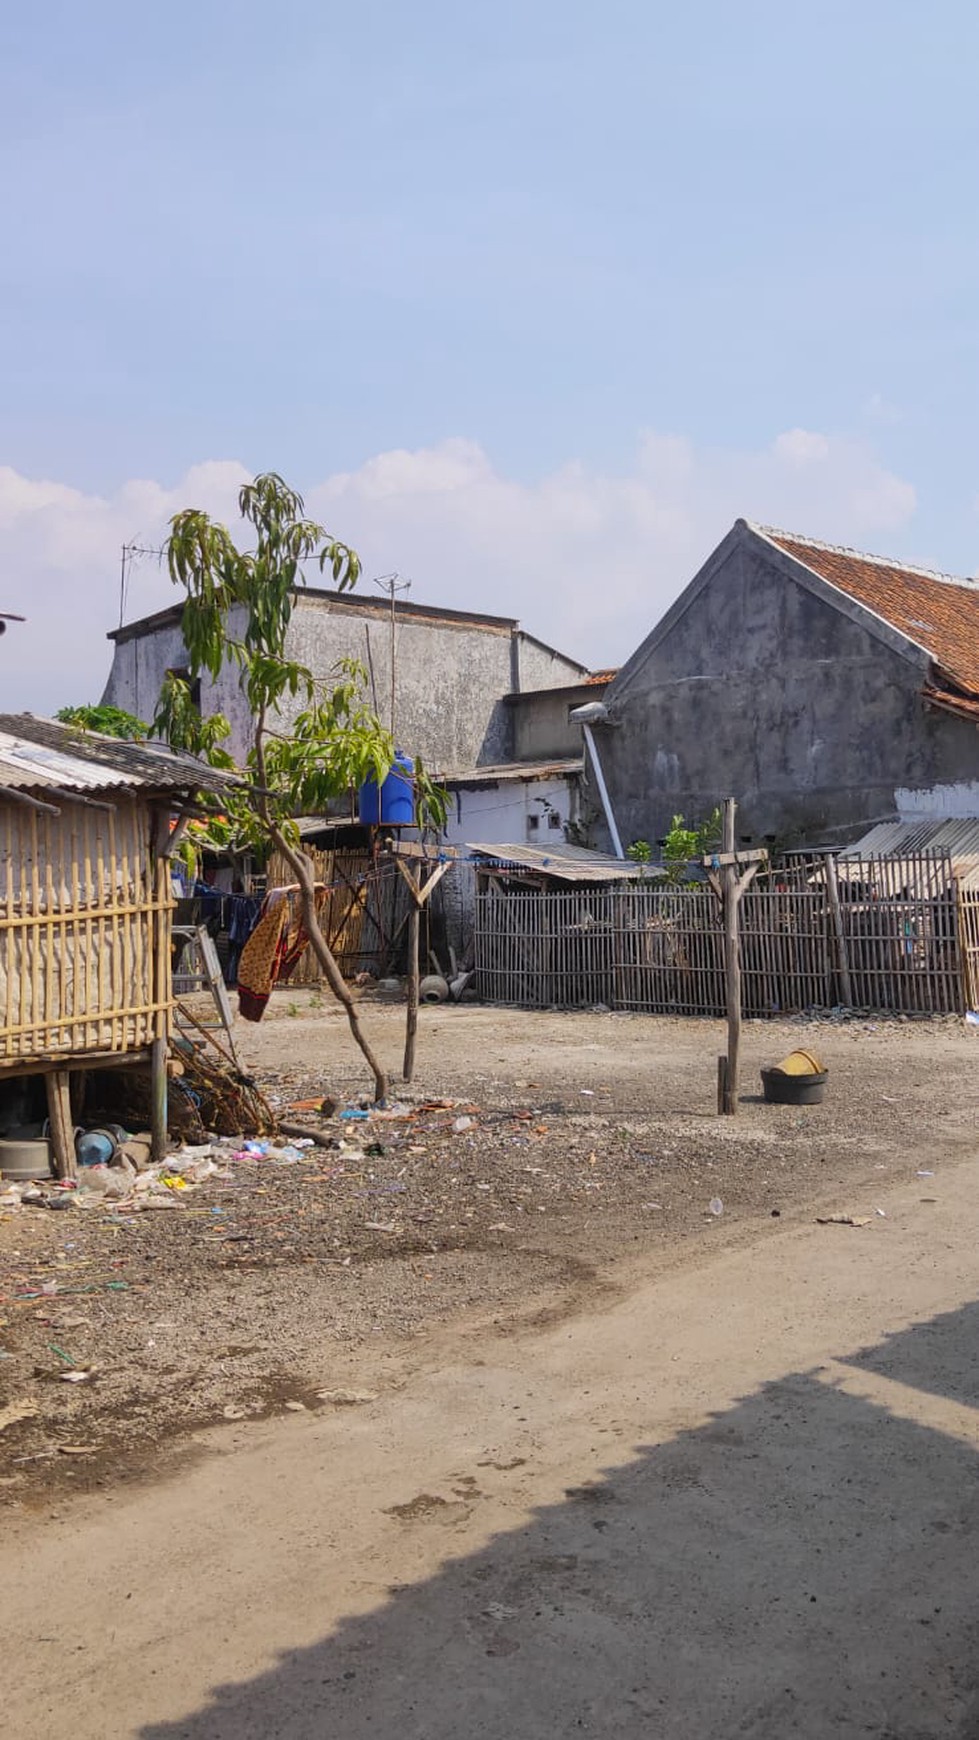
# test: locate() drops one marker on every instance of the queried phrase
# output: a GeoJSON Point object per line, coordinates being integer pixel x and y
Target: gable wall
{"type": "Point", "coordinates": [765, 692]}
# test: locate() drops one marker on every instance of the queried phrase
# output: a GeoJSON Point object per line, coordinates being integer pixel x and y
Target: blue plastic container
{"type": "Point", "coordinates": [392, 804]}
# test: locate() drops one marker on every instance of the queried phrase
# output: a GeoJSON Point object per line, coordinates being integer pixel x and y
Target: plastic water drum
{"type": "Point", "coordinates": [391, 804]}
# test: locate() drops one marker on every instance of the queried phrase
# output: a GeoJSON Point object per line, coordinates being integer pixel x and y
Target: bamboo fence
{"type": "Point", "coordinates": [890, 934]}
{"type": "Point", "coordinates": [363, 917]}
{"type": "Point", "coordinates": [85, 913]}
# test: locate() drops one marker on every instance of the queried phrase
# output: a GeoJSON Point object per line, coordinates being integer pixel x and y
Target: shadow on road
{"type": "Point", "coordinates": [803, 1564]}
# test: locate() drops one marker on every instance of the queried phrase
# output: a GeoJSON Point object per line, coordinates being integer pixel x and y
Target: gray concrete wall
{"type": "Point", "coordinates": [451, 675]}
{"type": "Point", "coordinates": [764, 692]}
{"type": "Point", "coordinates": [541, 724]}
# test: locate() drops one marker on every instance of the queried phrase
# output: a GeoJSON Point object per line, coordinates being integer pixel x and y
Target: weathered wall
{"type": "Point", "coordinates": [542, 726]}
{"type": "Point", "coordinates": [451, 675]}
{"type": "Point", "coordinates": [762, 691]}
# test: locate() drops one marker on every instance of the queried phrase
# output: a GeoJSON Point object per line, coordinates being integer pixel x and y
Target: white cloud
{"type": "Point", "coordinates": [587, 560]}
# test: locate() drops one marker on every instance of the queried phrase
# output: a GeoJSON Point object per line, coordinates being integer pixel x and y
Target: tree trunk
{"type": "Point", "coordinates": [302, 870]}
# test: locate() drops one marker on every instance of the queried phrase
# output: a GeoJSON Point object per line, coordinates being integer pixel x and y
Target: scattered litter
{"type": "Point", "coordinates": [347, 1398]}
{"type": "Point", "coordinates": [354, 1115]}
{"type": "Point", "coordinates": [589, 1093]}
{"type": "Point", "coordinates": [844, 1219]}
{"type": "Point", "coordinates": [296, 1407]}
{"type": "Point", "coordinates": [715, 1205]}
{"type": "Point", "coordinates": [78, 1376]}
{"type": "Point", "coordinates": [77, 1449]}
{"type": "Point", "coordinates": [460, 1124]}
{"type": "Point", "coordinates": [972, 1018]}
{"type": "Point", "coordinates": [881, 1212]}
{"type": "Point", "coordinates": [231, 1412]}
{"type": "Point", "coordinates": [62, 1355]}
{"type": "Point", "coordinates": [385, 1226]}
{"type": "Point", "coordinates": [924, 1173]}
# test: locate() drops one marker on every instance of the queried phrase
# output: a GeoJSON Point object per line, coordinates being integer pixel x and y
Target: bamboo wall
{"type": "Point", "coordinates": [901, 936]}
{"type": "Point", "coordinates": [84, 931]}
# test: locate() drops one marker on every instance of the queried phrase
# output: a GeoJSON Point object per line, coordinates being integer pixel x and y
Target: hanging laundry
{"type": "Point", "coordinates": [256, 968]}
{"type": "Point", "coordinates": [275, 946]}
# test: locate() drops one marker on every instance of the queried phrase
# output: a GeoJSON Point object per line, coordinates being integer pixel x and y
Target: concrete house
{"type": "Point", "coordinates": [454, 670]}
{"type": "Point", "coordinates": [824, 689]}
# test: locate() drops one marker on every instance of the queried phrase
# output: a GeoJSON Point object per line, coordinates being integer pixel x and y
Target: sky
{"type": "Point", "coordinates": [531, 301]}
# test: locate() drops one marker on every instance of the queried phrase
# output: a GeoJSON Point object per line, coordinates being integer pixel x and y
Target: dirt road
{"type": "Point", "coordinates": [741, 1500]}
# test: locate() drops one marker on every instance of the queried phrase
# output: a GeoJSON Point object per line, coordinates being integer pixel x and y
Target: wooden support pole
{"type": "Point", "coordinates": [61, 1124]}
{"type": "Point", "coordinates": [732, 959]}
{"type": "Point", "coordinates": [158, 1073]}
{"type": "Point", "coordinates": [411, 1028]}
{"type": "Point", "coordinates": [842, 959]}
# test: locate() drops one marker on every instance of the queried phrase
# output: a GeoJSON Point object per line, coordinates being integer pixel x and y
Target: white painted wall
{"type": "Point", "coordinates": [939, 802]}
{"type": "Point", "coordinates": [500, 815]}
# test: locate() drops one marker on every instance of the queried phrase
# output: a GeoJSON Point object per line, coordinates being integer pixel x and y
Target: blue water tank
{"type": "Point", "coordinates": [391, 804]}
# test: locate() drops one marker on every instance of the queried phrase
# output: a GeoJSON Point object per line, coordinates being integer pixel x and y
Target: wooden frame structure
{"type": "Point", "coordinates": [86, 831]}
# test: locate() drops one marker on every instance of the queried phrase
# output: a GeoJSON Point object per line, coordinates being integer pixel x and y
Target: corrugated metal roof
{"type": "Point", "coordinates": [504, 771]}
{"type": "Point", "coordinates": [37, 754]}
{"type": "Point", "coordinates": [958, 836]}
{"type": "Point", "coordinates": [564, 863]}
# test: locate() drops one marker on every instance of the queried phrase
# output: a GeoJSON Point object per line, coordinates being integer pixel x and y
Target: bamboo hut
{"type": "Point", "coordinates": [86, 831]}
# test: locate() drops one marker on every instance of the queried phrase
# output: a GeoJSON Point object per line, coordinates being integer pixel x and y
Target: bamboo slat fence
{"type": "Point", "coordinates": [85, 915]}
{"type": "Point", "coordinates": [889, 934]}
{"type": "Point", "coordinates": [363, 918]}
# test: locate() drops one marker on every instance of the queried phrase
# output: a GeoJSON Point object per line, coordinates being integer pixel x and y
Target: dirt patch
{"type": "Point", "coordinates": [576, 1146]}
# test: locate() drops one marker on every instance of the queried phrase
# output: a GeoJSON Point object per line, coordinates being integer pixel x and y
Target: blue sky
{"type": "Point", "coordinates": [526, 297]}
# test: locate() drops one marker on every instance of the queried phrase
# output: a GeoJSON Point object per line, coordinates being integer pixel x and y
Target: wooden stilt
{"type": "Point", "coordinates": [60, 1119]}
{"type": "Point", "coordinates": [158, 1067]}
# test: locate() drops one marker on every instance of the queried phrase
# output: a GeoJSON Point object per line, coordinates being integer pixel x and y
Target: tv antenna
{"type": "Point", "coordinates": [130, 552]}
{"type": "Point", "coordinates": [392, 584]}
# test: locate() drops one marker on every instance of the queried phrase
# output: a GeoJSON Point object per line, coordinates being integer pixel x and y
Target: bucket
{"type": "Point", "coordinates": [781, 1089]}
{"type": "Point", "coordinates": [392, 804]}
{"type": "Point", "coordinates": [25, 1157]}
{"type": "Point", "coordinates": [801, 1063]}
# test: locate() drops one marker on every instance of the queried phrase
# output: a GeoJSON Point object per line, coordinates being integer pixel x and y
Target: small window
{"type": "Point", "coordinates": [533, 823]}
{"type": "Point", "coordinates": [553, 819]}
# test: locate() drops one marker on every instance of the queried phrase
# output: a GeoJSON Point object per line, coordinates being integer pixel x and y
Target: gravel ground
{"type": "Point", "coordinates": [541, 1157]}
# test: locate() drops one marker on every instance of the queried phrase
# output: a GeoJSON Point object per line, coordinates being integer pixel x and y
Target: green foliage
{"type": "Point", "coordinates": [239, 604]}
{"type": "Point", "coordinates": [110, 721]}
{"type": "Point", "coordinates": [684, 845]}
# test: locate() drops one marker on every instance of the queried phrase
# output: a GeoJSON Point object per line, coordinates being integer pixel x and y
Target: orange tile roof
{"type": "Point", "coordinates": [597, 677]}
{"type": "Point", "coordinates": [935, 611]}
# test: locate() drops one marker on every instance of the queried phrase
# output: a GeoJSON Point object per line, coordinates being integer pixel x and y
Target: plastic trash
{"type": "Point", "coordinates": [715, 1205]}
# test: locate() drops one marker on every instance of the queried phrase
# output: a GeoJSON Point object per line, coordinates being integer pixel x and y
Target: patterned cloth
{"type": "Point", "coordinates": [256, 968]}
{"type": "Point", "coordinates": [273, 949]}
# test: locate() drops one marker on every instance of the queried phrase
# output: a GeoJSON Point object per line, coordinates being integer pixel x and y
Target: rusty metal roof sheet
{"type": "Point", "coordinates": [39, 754]}
{"type": "Point", "coordinates": [561, 863]}
{"type": "Point", "coordinates": [506, 771]}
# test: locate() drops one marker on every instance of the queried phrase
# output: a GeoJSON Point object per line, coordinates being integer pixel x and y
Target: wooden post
{"type": "Point", "coordinates": [732, 961]}
{"type": "Point", "coordinates": [842, 960]}
{"type": "Point", "coordinates": [414, 974]}
{"type": "Point", "coordinates": [408, 856]}
{"type": "Point", "coordinates": [58, 1084]}
{"type": "Point", "coordinates": [158, 1069]}
{"type": "Point", "coordinates": [729, 880]}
